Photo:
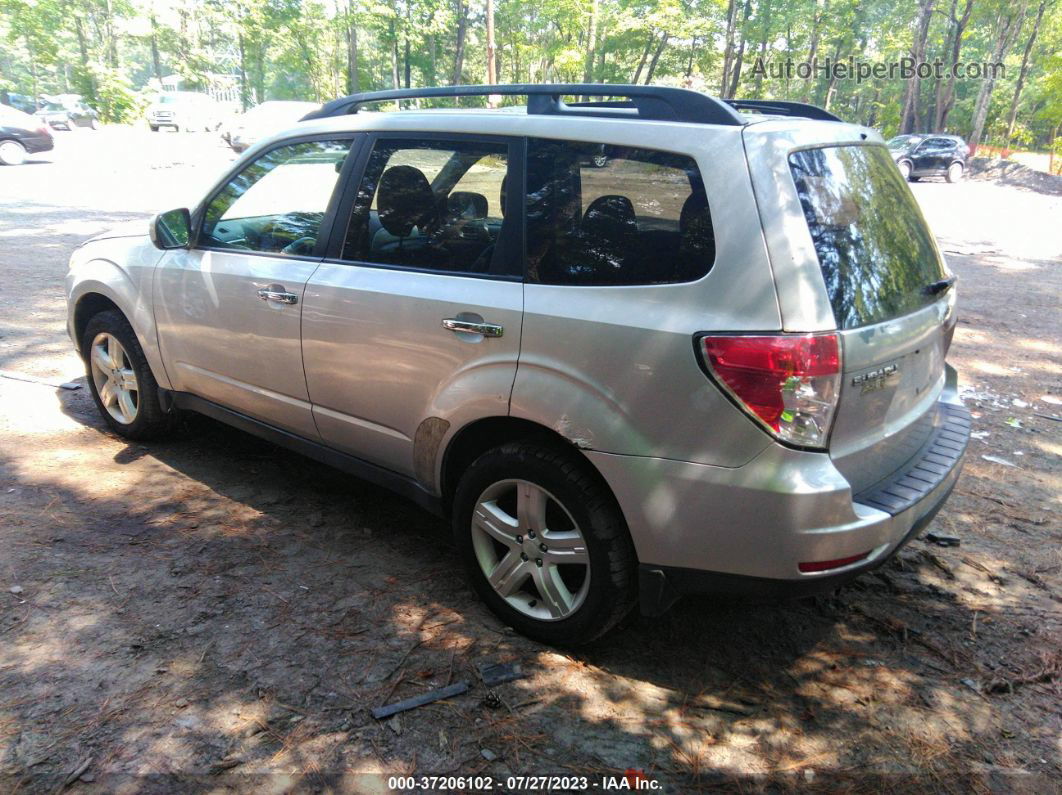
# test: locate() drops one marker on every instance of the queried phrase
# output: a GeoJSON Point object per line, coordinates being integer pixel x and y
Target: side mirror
{"type": "Point", "coordinates": [172, 229]}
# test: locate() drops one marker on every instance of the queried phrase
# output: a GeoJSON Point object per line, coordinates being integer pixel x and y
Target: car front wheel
{"type": "Point", "coordinates": [954, 172]}
{"type": "Point", "coordinates": [905, 170]}
{"type": "Point", "coordinates": [120, 379]}
{"type": "Point", "coordinates": [544, 543]}
{"type": "Point", "coordinates": [12, 153]}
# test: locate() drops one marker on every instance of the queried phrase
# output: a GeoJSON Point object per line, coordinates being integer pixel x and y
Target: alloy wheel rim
{"type": "Point", "coordinates": [531, 550]}
{"type": "Point", "coordinates": [12, 152]}
{"type": "Point", "coordinates": [956, 171]}
{"type": "Point", "coordinates": [115, 378]}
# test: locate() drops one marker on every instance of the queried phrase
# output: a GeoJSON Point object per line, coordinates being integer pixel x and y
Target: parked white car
{"type": "Point", "coordinates": [184, 110]}
{"type": "Point", "coordinates": [264, 120]}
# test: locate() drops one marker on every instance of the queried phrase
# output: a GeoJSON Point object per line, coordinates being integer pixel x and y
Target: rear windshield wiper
{"type": "Point", "coordinates": [936, 288]}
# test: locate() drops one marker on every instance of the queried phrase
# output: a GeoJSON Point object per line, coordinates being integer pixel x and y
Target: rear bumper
{"type": "Point", "coordinates": [702, 529]}
{"type": "Point", "coordinates": [38, 143]}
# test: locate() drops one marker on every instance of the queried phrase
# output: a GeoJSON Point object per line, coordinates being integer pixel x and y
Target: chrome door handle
{"type": "Point", "coordinates": [275, 292]}
{"type": "Point", "coordinates": [469, 327]}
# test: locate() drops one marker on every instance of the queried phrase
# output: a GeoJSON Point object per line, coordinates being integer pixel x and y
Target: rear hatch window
{"type": "Point", "coordinates": [876, 253]}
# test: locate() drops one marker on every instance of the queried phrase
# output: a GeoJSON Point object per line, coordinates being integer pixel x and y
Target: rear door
{"type": "Point", "coordinates": [891, 300]}
{"type": "Point", "coordinates": [413, 323]}
{"type": "Point", "coordinates": [229, 309]}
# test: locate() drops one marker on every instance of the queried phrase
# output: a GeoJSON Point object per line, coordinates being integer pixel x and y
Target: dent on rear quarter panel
{"type": "Point", "coordinates": [121, 269]}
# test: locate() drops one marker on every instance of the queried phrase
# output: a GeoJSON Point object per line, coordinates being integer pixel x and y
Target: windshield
{"type": "Point", "coordinates": [876, 253]}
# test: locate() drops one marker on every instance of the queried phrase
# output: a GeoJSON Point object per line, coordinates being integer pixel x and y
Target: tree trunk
{"type": "Point", "coordinates": [728, 51]}
{"type": "Point", "coordinates": [492, 50]}
{"type": "Point", "coordinates": [156, 62]}
{"type": "Point", "coordinates": [405, 39]}
{"type": "Point", "coordinates": [353, 81]}
{"type": "Point", "coordinates": [111, 37]}
{"type": "Point", "coordinates": [591, 44]}
{"type": "Point", "coordinates": [459, 52]}
{"type": "Point", "coordinates": [1012, 118]}
{"type": "Point", "coordinates": [656, 56]}
{"type": "Point", "coordinates": [813, 47]}
{"type": "Point", "coordinates": [645, 57]}
{"type": "Point", "coordinates": [909, 115]}
{"type": "Point", "coordinates": [433, 50]}
{"type": "Point", "coordinates": [946, 88]}
{"type": "Point", "coordinates": [739, 56]}
{"type": "Point", "coordinates": [765, 32]}
{"type": "Point", "coordinates": [90, 80]}
{"type": "Point", "coordinates": [1009, 26]}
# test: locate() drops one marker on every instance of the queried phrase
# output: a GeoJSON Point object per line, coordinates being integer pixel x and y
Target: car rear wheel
{"type": "Point", "coordinates": [121, 382]}
{"type": "Point", "coordinates": [954, 172]}
{"type": "Point", "coordinates": [544, 543]}
{"type": "Point", "coordinates": [905, 169]}
{"type": "Point", "coordinates": [94, 124]}
{"type": "Point", "coordinates": [12, 153]}
{"type": "Point", "coordinates": [154, 127]}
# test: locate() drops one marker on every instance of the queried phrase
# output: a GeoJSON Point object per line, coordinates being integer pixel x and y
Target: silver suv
{"type": "Point", "coordinates": [635, 347]}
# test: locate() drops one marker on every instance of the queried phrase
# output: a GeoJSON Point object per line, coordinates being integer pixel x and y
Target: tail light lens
{"type": "Point", "coordinates": [788, 383]}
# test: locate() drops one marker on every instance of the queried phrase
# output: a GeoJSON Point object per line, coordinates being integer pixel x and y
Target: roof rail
{"type": "Point", "coordinates": [657, 103]}
{"type": "Point", "coordinates": [781, 107]}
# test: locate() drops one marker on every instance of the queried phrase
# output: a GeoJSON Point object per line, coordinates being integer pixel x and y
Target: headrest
{"type": "Point", "coordinates": [611, 215]}
{"type": "Point", "coordinates": [404, 200]}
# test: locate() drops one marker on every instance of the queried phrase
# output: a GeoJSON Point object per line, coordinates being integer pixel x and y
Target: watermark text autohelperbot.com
{"type": "Point", "coordinates": [852, 68]}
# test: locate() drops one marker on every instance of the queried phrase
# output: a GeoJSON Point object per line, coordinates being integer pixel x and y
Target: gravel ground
{"type": "Point", "coordinates": [212, 613]}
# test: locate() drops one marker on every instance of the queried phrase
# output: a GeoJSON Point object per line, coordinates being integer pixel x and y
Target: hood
{"type": "Point", "coordinates": [127, 229]}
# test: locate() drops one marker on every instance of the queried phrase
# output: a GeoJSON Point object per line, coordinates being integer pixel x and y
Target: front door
{"type": "Point", "coordinates": [414, 323]}
{"type": "Point", "coordinates": [229, 308]}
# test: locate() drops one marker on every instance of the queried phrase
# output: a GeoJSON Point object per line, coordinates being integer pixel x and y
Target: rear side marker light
{"type": "Point", "coordinates": [826, 565]}
{"type": "Point", "coordinates": [788, 383]}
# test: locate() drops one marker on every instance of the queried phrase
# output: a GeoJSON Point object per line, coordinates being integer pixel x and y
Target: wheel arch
{"type": "Point", "coordinates": [103, 286]}
{"type": "Point", "coordinates": [472, 440]}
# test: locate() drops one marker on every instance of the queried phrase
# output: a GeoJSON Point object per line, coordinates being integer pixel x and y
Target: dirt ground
{"type": "Point", "coordinates": [211, 613]}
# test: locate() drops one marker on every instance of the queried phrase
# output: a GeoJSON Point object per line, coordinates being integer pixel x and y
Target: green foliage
{"type": "Point", "coordinates": [113, 51]}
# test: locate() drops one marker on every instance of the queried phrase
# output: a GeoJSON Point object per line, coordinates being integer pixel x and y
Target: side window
{"type": "Point", "coordinates": [612, 215]}
{"type": "Point", "coordinates": [935, 146]}
{"type": "Point", "coordinates": [277, 203]}
{"type": "Point", "coordinates": [430, 204]}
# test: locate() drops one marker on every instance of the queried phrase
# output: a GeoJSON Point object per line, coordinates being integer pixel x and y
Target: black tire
{"type": "Point", "coordinates": [154, 127]}
{"type": "Point", "coordinates": [612, 589]}
{"type": "Point", "coordinates": [151, 421]}
{"type": "Point", "coordinates": [905, 169]}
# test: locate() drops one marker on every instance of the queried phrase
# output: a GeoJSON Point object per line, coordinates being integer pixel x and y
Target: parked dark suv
{"type": "Point", "coordinates": [920, 156]}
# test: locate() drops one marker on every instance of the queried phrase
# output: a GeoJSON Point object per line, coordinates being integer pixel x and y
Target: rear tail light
{"type": "Point", "coordinates": [788, 383]}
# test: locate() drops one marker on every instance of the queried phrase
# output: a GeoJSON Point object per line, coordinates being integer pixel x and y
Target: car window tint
{"type": "Point", "coordinates": [875, 251]}
{"type": "Point", "coordinates": [276, 204]}
{"type": "Point", "coordinates": [612, 215]}
{"type": "Point", "coordinates": [429, 204]}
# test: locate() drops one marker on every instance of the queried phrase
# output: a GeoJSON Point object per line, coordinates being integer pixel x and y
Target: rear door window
{"type": "Point", "coordinates": [611, 215]}
{"type": "Point", "coordinates": [876, 253]}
